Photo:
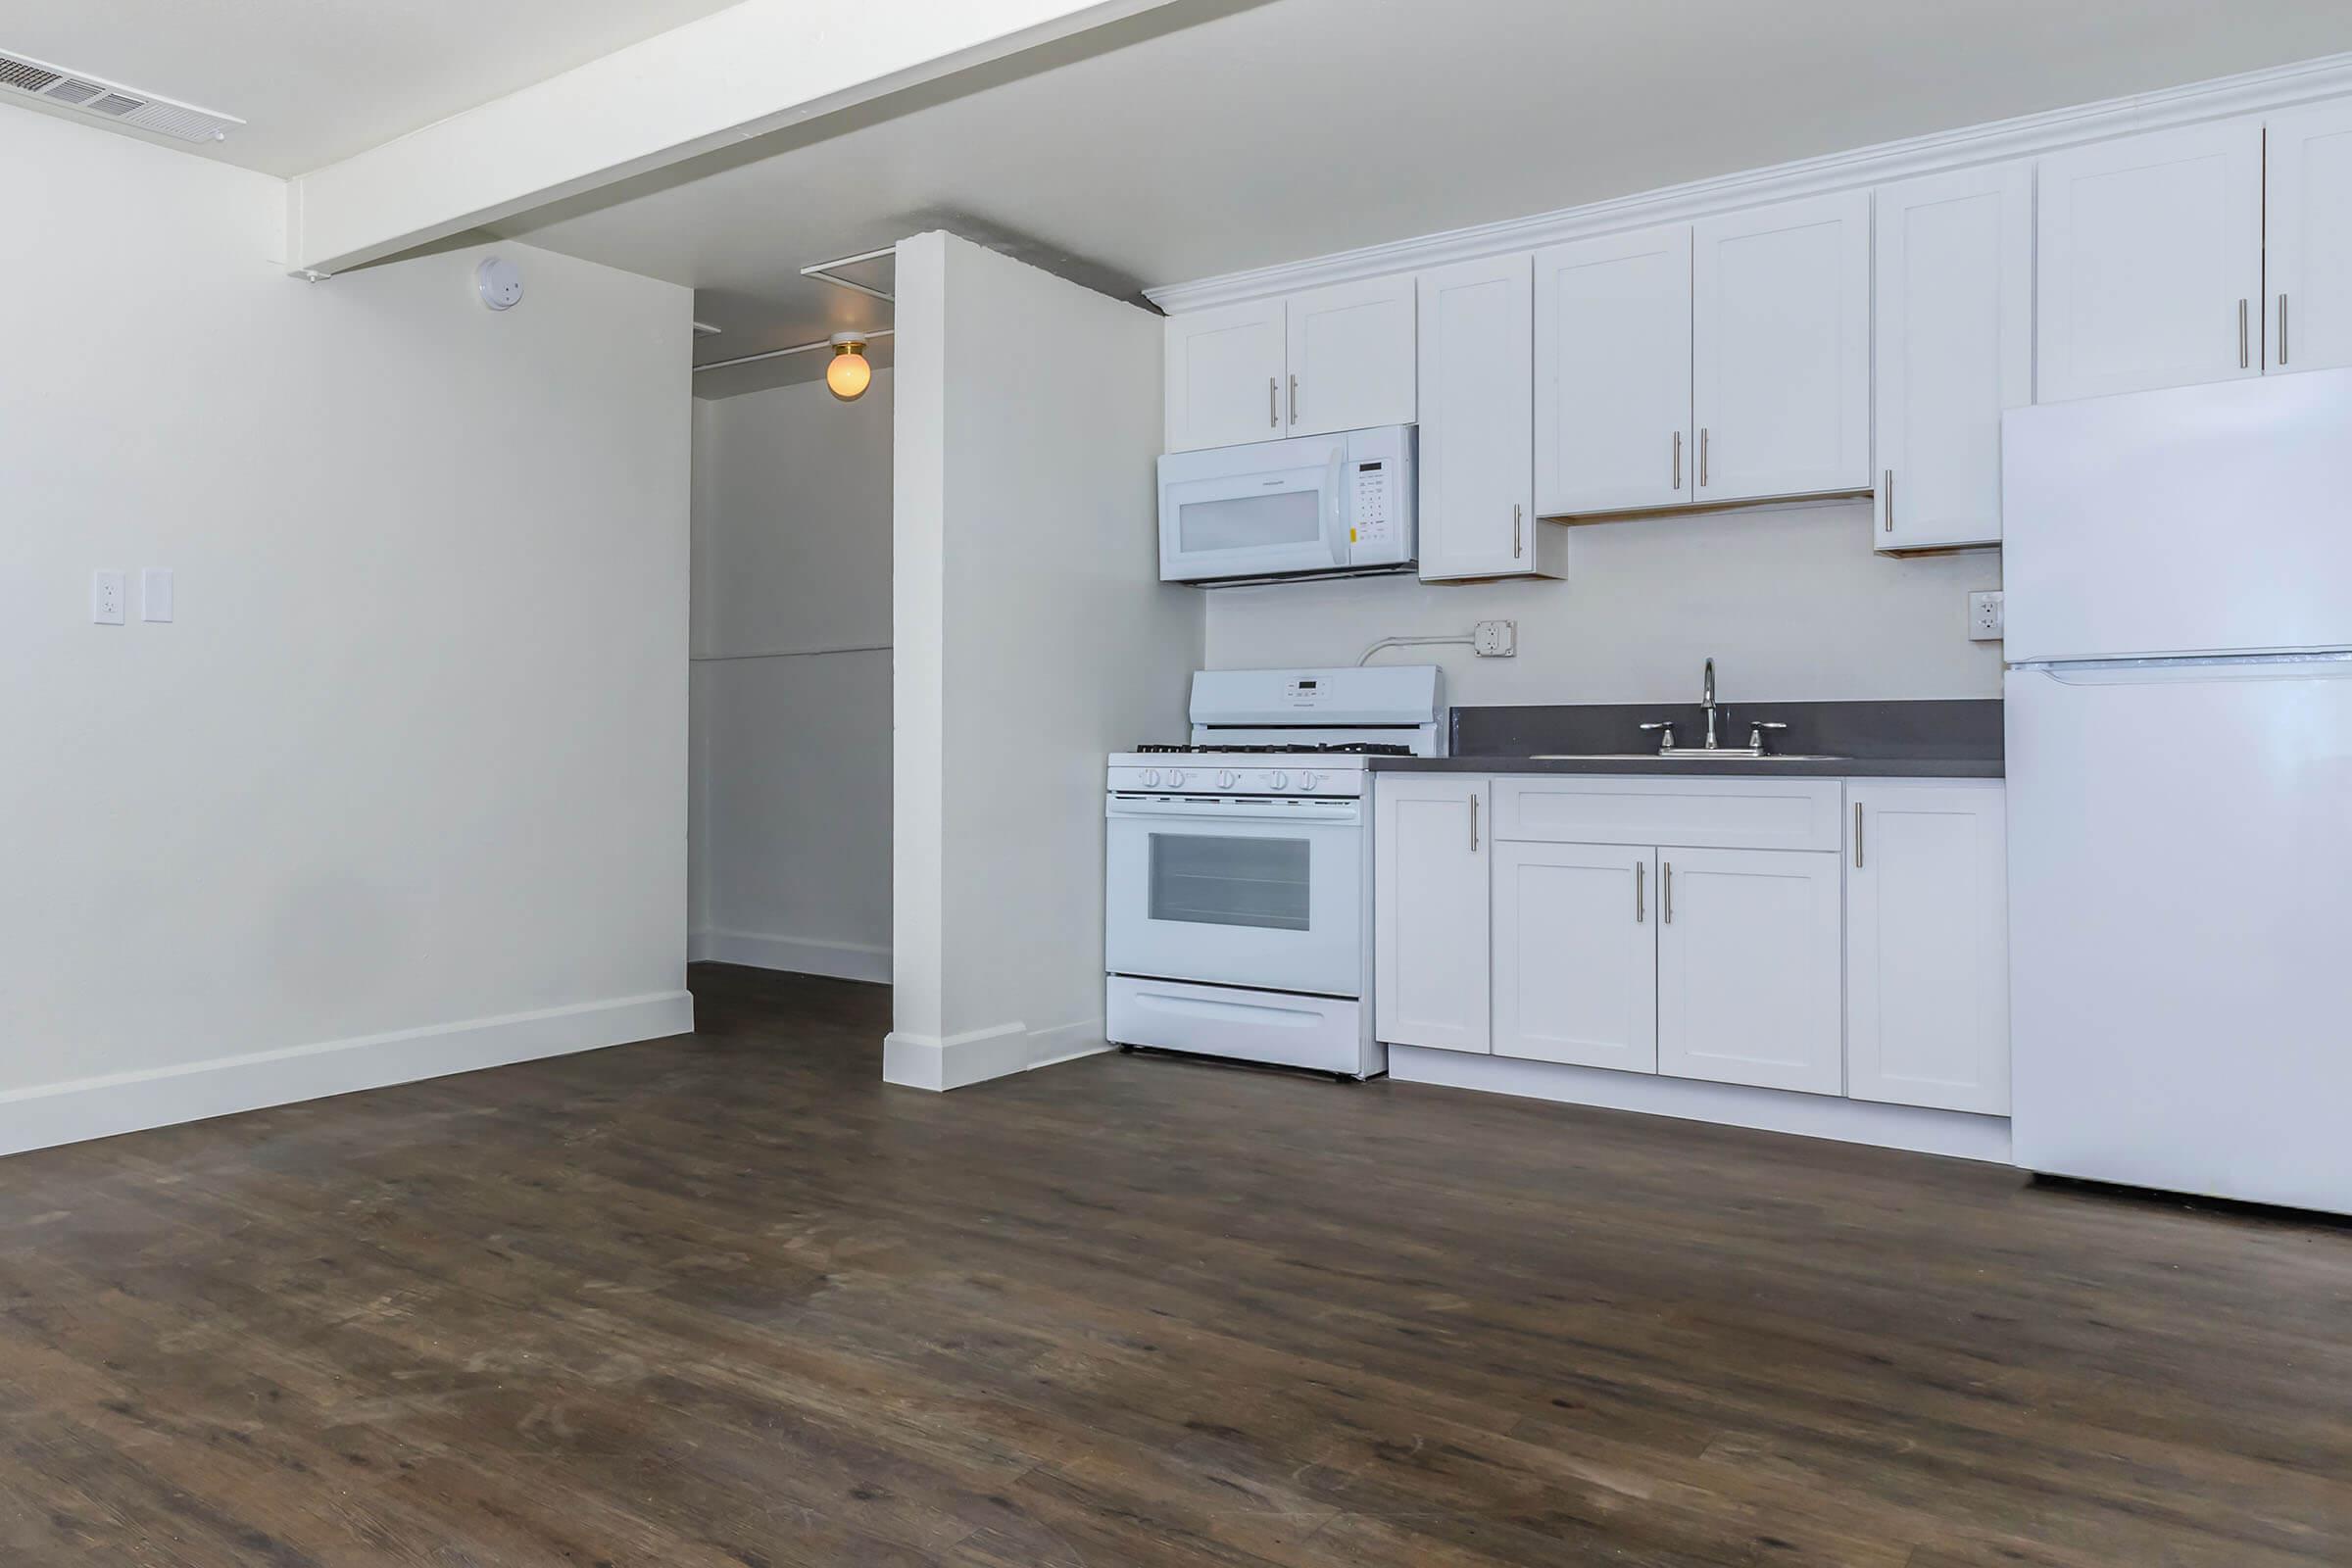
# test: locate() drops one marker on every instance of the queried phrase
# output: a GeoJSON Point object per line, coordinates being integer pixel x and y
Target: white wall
{"type": "Point", "coordinates": [1789, 601]}
{"type": "Point", "coordinates": [403, 789]}
{"type": "Point", "coordinates": [1033, 637]}
{"type": "Point", "coordinates": [791, 753]}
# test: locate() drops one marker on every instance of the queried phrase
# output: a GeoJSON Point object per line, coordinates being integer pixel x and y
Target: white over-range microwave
{"type": "Point", "coordinates": [1323, 506]}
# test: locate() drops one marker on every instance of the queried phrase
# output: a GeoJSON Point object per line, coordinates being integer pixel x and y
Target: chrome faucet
{"type": "Point", "coordinates": [1706, 699]}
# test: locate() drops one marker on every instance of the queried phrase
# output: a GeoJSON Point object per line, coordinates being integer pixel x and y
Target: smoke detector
{"type": "Point", "coordinates": [111, 100]}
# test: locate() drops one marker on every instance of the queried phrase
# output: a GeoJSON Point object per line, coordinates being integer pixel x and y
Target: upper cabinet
{"type": "Point", "coordinates": [1329, 358]}
{"type": "Point", "coordinates": [1613, 428]}
{"type": "Point", "coordinates": [1727, 360]}
{"type": "Point", "coordinates": [1224, 376]}
{"type": "Point", "coordinates": [1955, 347]}
{"type": "Point", "coordinates": [2308, 261]}
{"type": "Point", "coordinates": [1780, 333]}
{"type": "Point", "coordinates": [1351, 357]}
{"type": "Point", "coordinates": [1477, 503]}
{"type": "Point", "coordinates": [2152, 262]}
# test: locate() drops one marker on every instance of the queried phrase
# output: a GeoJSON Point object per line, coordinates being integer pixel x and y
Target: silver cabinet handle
{"type": "Point", "coordinates": [1857, 835]}
{"type": "Point", "coordinates": [2243, 362]}
{"type": "Point", "coordinates": [1889, 499]}
{"type": "Point", "coordinates": [1702, 457]}
{"type": "Point", "coordinates": [1273, 407]}
{"type": "Point", "coordinates": [2281, 330]}
{"type": "Point", "coordinates": [1640, 868]}
{"type": "Point", "coordinates": [1678, 460]}
{"type": "Point", "coordinates": [1473, 824]}
{"type": "Point", "coordinates": [1666, 892]}
{"type": "Point", "coordinates": [1294, 400]}
{"type": "Point", "coordinates": [1518, 538]}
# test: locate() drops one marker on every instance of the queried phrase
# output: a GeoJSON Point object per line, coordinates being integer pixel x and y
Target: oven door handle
{"type": "Point", "coordinates": [1210, 813]}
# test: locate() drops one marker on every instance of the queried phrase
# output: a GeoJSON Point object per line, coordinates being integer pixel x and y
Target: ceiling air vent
{"type": "Point", "coordinates": [95, 96]}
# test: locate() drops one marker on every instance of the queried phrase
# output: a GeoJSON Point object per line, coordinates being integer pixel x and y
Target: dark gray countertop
{"type": "Point", "coordinates": [1936, 738]}
{"type": "Point", "coordinates": [1697, 767]}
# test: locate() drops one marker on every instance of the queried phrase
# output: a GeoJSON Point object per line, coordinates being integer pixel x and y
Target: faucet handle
{"type": "Point", "coordinates": [1756, 729]}
{"type": "Point", "coordinates": [1665, 741]}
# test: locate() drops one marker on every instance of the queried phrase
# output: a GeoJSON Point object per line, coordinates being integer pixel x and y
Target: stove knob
{"type": "Point", "coordinates": [1151, 778]}
{"type": "Point", "coordinates": [1278, 781]}
{"type": "Point", "coordinates": [1175, 778]}
{"type": "Point", "coordinates": [1308, 781]}
{"type": "Point", "coordinates": [1227, 779]}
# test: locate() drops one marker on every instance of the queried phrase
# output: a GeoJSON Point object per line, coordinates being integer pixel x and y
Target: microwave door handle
{"type": "Point", "coordinates": [1335, 512]}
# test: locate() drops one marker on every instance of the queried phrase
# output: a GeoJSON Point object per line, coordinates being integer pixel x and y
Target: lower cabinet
{"type": "Point", "coordinates": [1431, 842]}
{"type": "Point", "coordinates": [1749, 968]}
{"type": "Point", "coordinates": [1927, 945]}
{"type": "Point", "coordinates": [1575, 975]}
{"type": "Point", "coordinates": [1865, 955]}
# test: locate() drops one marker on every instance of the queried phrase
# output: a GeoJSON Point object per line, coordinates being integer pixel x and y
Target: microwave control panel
{"type": "Point", "coordinates": [1373, 515]}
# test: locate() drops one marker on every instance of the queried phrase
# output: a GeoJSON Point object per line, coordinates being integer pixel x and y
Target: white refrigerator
{"type": "Point", "coordinates": [2178, 573]}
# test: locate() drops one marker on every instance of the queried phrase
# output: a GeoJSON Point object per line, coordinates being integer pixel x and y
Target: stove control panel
{"type": "Point", "coordinates": [1289, 781]}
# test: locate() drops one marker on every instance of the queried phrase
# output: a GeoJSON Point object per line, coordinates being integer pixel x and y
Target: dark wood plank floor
{"type": "Point", "coordinates": [729, 1301]}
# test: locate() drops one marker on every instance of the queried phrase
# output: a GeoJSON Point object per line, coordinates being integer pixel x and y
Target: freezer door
{"type": "Point", "coordinates": [2181, 927]}
{"type": "Point", "coordinates": [2195, 519]}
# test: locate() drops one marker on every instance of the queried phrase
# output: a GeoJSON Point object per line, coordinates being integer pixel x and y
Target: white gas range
{"type": "Point", "coordinates": [1237, 907]}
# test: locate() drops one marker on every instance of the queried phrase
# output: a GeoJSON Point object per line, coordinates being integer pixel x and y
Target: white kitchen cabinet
{"type": "Point", "coordinates": [1749, 960]}
{"type": "Point", "coordinates": [1477, 503]}
{"type": "Point", "coordinates": [1223, 371]}
{"type": "Point", "coordinates": [2150, 262]}
{"type": "Point", "coordinates": [1576, 955]}
{"type": "Point", "coordinates": [1955, 347]}
{"type": "Point", "coordinates": [1350, 352]}
{"type": "Point", "coordinates": [2308, 263]}
{"type": "Point", "coordinates": [1612, 373]}
{"type": "Point", "coordinates": [1926, 961]}
{"type": "Point", "coordinates": [1431, 846]}
{"type": "Point", "coordinates": [1780, 337]}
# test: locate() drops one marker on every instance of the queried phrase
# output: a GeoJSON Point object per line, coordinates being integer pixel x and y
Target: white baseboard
{"type": "Point", "coordinates": [843, 960]}
{"type": "Point", "coordinates": [1958, 1133]}
{"type": "Point", "coordinates": [124, 1103]}
{"type": "Point", "coordinates": [926, 1061]}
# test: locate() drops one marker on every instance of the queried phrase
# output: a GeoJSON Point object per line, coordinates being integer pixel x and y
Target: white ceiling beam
{"type": "Point", "coordinates": [752, 69]}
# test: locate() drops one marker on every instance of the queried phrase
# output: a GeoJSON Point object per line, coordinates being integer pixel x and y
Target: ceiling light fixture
{"type": "Point", "coordinates": [849, 374]}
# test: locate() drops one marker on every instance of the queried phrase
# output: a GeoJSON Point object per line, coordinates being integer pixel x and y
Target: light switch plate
{"type": "Point", "coordinates": [107, 593]}
{"type": "Point", "coordinates": [155, 592]}
{"type": "Point", "coordinates": [1985, 616]}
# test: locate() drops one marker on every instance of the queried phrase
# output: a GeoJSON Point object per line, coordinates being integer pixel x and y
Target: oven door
{"type": "Point", "coordinates": [1253, 511]}
{"type": "Point", "coordinates": [1236, 891]}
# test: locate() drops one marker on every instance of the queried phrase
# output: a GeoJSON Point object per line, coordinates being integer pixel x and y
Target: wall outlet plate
{"type": "Point", "coordinates": [1985, 616]}
{"type": "Point", "coordinates": [1495, 638]}
{"type": "Point", "coordinates": [106, 598]}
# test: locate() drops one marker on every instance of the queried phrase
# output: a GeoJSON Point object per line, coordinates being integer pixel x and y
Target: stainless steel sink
{"type": "Point", "coordinates": [1724, 754]}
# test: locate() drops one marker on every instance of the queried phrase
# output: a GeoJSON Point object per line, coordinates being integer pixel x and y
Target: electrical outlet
{"type": "Point", "coordinates": [1985, 616]}
{"type": "Point", "coordinates": [1495, 638]}
{"type": "Point", "coordinates": [106, 598]}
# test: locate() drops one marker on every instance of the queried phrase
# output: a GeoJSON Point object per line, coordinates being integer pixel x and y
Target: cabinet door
{"type": "Point", "coordinates": [1575, 974]}
{"type": "Point", "coordinates": [1351, 357]}
{"type": "Point", "coordinates": [1613, 373]}
{"type": "Point", "coordinates": [1224, 374]}
{"type": "Point", "coordinates": [1955, 347]}
{"type": "Point", "coordinates": [1927, 960]}
{"type": "Point", "coordinates": [1430, 910]}
{"type": "Point", "coordinates": [2150, 262]}
{"type": "Point", "coordinates": [1780, 349]}
{"type": "Point", "coordinates": [1749, 951]}
{"type": "Point", "coordinates": [1477, 512]}
{"type": "Point", "coordinates": [2308, 261]}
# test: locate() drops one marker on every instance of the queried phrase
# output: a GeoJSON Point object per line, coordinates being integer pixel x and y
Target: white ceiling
{"type": "Point", "coordinates": [320, 79]}
{"type": "Point", "coordinates": [1221, 134]}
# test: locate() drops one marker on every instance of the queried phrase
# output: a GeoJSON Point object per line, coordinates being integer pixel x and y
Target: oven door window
{"type": "Point", "coordinates": [1256, 882]}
